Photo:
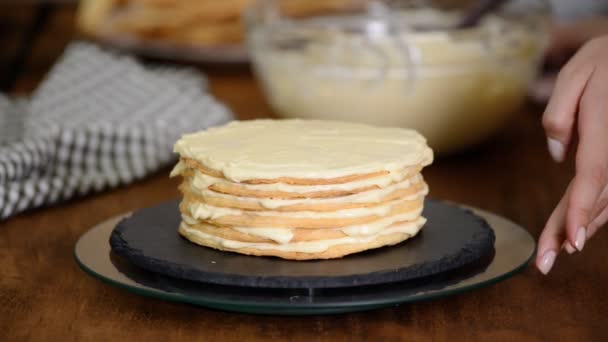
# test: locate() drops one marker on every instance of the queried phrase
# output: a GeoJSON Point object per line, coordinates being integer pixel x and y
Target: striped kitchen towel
{"type": "Point", "coordinates": [100, 119]}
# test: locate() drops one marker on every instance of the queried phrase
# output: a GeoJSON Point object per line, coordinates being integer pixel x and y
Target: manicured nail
{"type": "Point", "coordinates": [556, 149]}
{"type": "Point", "coordinates": [547, 261]}
{"type": "Point", "coordinates": [581, 236]}
{"type": "Point", "coordinates": [568, 247]}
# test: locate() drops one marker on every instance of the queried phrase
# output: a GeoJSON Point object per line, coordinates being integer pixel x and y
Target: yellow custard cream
{"type": "Point", "coordinates": [202, 181]}
{"type": "Point", "coordinates": [305, 149]}
{"type": "Point", "coordinates": [202, 211]}
{"type": "Point", "coordinates": [284, 235]}
{"type": "Point", "coordinates": [454, 87]}
{"type": "Point", "coordinates": [370, 196]}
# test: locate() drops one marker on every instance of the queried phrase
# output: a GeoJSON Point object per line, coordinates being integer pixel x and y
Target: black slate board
{"type": "Point", "coordinates": [452, 238]}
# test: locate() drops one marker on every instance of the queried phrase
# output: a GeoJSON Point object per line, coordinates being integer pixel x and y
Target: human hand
{"type": "Point", "coordinates": [579, 104]}
{"type": "Point", "coordinates": [566, 39]}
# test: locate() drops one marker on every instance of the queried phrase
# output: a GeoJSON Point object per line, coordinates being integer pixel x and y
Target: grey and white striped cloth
{"type": "Point", "coordinates": [99, 120]}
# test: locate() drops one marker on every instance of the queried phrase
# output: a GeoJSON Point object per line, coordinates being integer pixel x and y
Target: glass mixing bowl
{"type": "Point", "coordinates": [398, 63]}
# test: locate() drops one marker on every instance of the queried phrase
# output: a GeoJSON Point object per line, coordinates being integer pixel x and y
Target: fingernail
{"type": "Point", "coordinates": [581, 236]}
{"type": "Point", "coordinates": [556, 149]}
{"type": "Point", "coordinates": [547, 261]}
{"type": "Point", "coordinates": [568, 247]}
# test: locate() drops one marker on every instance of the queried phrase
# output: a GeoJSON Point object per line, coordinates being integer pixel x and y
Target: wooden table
{"type": "Point", "coordinates": [45, 296]}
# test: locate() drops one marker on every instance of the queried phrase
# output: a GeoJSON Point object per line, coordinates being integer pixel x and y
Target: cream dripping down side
{"type": "Point", "coordinates": [409, 228]}
{"type": "Point", "coordinates": [306, 149]}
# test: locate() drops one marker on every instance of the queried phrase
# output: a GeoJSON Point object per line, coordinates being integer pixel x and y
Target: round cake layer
{"type": "Point", "coordinates": [409, 189]}
{"type": "Point", "coordinates": [303, 149]}
{"type": "Point", "coordinates": [202, 180]}
{"type": "Point", "coordinates": [193, 164]}
{"type": "Point", "coordinates": [302, 219]}
{"type": "Point", "coordinates": [289, 235]}
{"type": "Point", "coordinates": [307, 250]}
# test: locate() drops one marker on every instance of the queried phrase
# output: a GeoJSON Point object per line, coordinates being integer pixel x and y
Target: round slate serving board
{"type": "Point", "coordinates": [453, 237]}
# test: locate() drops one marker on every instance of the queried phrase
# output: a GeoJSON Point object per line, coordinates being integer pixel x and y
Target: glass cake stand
{"type": "Point", "coordinates": [513, 249]}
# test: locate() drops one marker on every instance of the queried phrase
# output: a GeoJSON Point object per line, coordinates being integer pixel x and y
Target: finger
{"type": "Point", "coordinates": [542, 88]}
{"type": "Point", "coordinates": [560, 114]}
{"type": "Point", "coordinates": [571, 35]}
{"type": "Point", "coordinates": [591, 159]}
{"type": "Point", "coordinates": [600, 204]}
{"type": "Point", "coordinates": [567, 246]}
{"type": "Point", "coordinates": [600, 213]}
{"type": "Point", "coordinates": [598, 222]}
{"type": "Point", "coordinates": [552, 237]}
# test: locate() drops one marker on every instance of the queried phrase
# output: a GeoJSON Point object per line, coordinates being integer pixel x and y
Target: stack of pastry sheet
{"type": "Point", "coordinates": [189, 22]}
{"type": "Point", "coordinates": [299, 189]}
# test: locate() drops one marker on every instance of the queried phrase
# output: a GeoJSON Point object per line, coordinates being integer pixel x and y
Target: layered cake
{"type": "Point", "coordinates": [301, 189]}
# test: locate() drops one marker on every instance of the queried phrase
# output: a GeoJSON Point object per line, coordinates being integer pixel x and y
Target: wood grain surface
{"type": "Point", "coordinates": [44, 296]}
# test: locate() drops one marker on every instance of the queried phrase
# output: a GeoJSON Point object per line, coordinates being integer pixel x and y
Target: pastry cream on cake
{"type": "Point", "coordinates": [409, 189]}
{"type": "Point", "coordinates": [299, 189]}
{"type": "Point", "coordinates": [307, 149]}
{"type": "Point", "coordinates": [202, 180]}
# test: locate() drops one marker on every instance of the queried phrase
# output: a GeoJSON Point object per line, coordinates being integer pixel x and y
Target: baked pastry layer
{"type": "Point", "coordinates": [299, 189]}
